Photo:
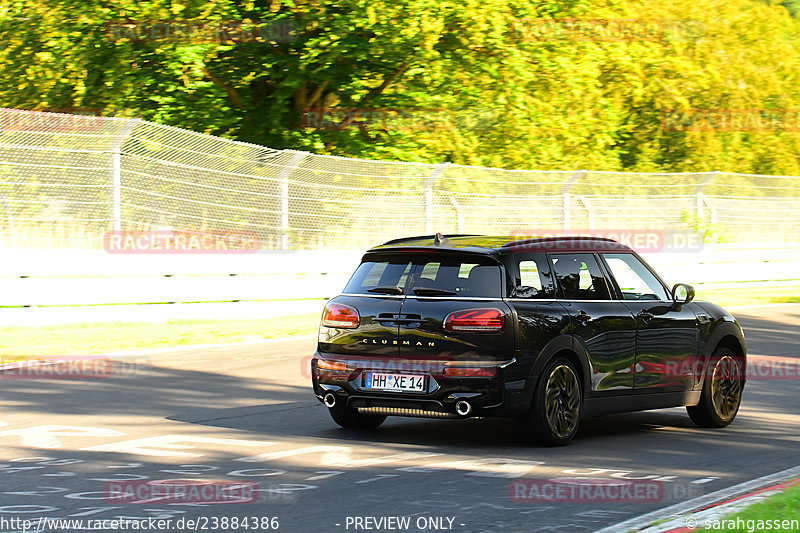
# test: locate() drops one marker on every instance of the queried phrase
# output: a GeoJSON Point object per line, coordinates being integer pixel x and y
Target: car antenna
{"type": "Point", "coordinates": [439, 240]}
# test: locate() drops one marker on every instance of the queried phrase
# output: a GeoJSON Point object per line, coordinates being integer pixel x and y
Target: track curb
{"type": "Point", "coordinates": [689, 515]}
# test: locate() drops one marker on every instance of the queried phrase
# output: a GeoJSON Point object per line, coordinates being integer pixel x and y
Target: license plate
{"type": "Point", "coordinates": [395, 382]}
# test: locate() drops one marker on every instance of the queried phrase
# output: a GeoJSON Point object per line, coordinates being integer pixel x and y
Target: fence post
{"type": "Point", "coordinates": [589, 210]}
{"type": "Point", "coordinates": [116, 171]}
{"type": "Point", "coordinates": [283, 180]}
{"type": "Point", "coordinates": [711, 209]}
{"type": "Point", "coordinates": [566, 203]}
{"type": "Point", "coordinates": [11, 233]}
{"type": "Point", "coordinates": [459, 214]}
{"type": "Point", "coordinates": [116, 190]}
{"type": "Point", "coordinates": [698, 195]}
{"type": "Point", "coordinates": [429, 181]}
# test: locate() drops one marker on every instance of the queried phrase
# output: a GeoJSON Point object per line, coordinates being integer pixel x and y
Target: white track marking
{"type": "Point", "coordinates": [48, 436]}
{"type": "Point", "coordinates": [324, 474]}
{"type": "Point", "coordinates": [376, 478]}
{"type": "Point", "coordinates": [165, 445]}
{"type": "Point", "coordinates": [337, 456]}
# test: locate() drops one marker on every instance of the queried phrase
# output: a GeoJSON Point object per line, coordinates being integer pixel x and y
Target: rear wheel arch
{"type": "Point", "coordinates": [563, 346]}
{"type": "Point", "coordinates": [581, 366]}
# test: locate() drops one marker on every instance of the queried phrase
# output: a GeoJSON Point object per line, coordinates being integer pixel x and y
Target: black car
{"type": "Point", "coordinates": [545, 331]}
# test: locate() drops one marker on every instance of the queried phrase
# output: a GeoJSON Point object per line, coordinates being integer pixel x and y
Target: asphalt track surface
{"type": "Point", "coordinates": [246, 414]}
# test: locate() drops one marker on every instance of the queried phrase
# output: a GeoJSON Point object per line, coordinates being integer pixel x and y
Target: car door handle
{"type": "Point", "coordinates": [583, 317]}
{"type": "Point", "coordinates": [646, 316]}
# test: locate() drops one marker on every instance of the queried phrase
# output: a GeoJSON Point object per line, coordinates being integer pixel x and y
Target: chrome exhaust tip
{"type": "Point", "coordinates": [463, 407]}
{"type": "Point", "coordinates": [329, 400]}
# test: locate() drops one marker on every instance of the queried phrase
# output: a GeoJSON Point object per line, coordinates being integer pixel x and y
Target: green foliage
{"type": "Point", "coordinates": [792, 6]}
{"type": "Point", "coordinates": [477, 82]}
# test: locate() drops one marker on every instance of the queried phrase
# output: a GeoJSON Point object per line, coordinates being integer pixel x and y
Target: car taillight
{"type": "Point", "coordinates": [483, 320]}
{"type": "Point", "coordinates": [337, 366]}
{"type": "Point", "coordinates": [340, 316]}
{"type": "Point", "coordinates": [478, 372]}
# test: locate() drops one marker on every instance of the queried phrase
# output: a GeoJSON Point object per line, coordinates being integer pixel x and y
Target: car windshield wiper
{"type": "Point", "coordinates": [430, 291]}
{"type": "Point", "coordinates": [386, 290]}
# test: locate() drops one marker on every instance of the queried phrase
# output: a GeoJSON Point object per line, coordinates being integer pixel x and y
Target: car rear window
{"type": "Point", "coordinates": [373, 274]}
{"type": "Point", "coordinates": [439, 276]}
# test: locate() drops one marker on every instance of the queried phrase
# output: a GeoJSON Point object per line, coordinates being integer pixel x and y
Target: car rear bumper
{"type": "Point", "coordinates": [445, 396]}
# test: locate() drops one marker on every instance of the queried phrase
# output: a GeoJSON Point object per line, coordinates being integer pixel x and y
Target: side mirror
{"type": "Point", "coordinates": [682, 293]}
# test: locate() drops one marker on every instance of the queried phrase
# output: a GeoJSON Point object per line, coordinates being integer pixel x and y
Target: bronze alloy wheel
{"type": "Point", "coordinates": [726, 387]}
{"type": "Point", "coordinates": [562, 401]}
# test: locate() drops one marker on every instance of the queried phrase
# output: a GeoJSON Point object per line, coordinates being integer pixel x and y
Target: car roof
{"type": "Point", "coordinates": [500, 244]}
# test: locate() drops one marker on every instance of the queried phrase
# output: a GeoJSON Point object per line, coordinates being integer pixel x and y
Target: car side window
{"type": "Point", "coordinates": [633, 278]}
{"type": "Point", "coordinates": [534, 279]}
{"type": "Point", "coordinates": [579, 277]}
{"type": "Point", "coordinates": [529, 274]}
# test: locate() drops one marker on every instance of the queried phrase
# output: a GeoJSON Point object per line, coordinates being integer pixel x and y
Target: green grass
{"type": "Point", "coordinates": [783, 506]}
{"type": "Point", "coordinates": [82, 339]}
{"type": "Point", "coordinates": [750, 295]}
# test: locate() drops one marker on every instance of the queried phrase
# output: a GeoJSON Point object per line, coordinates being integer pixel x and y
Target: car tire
{"type": "Point", "coordinates": [556, 408]}
{"type": "Point", "coordinates": [722, 390]}
{"type": "Point", "coordinates": [350, 418]}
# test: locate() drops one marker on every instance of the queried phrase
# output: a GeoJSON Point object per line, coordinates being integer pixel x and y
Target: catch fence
{"type": "Point", "coordinates": [67, 180]}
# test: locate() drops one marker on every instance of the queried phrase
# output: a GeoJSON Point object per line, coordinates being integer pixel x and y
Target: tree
{"type": "Point", "coordinates": [512, 83]}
